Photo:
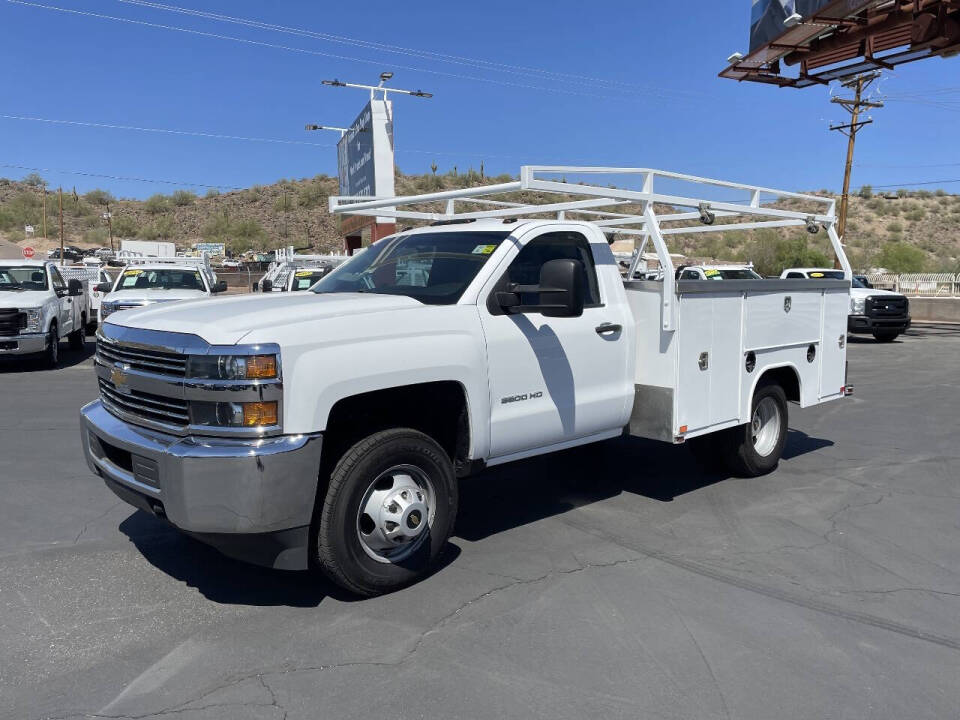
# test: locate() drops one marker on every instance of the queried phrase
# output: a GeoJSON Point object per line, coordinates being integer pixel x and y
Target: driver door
{"type": "Point", "coordinates": [555, 379]}
{"type": "Point", "coordinates": [64, 302]}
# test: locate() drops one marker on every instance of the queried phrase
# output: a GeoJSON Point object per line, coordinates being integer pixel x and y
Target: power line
{"type": "Point", "coordinates": [305, 51]}
{"type": "Point", "coordinates": [85, 173]}
{"type": "Point", "coordinates": [167, 131]}
{"type": "Point", "coordinates": [917, 184]}
{"type": "Point", "coordinates": [218, 136]}
{"type": "Point", "coordinates": [478, 63]}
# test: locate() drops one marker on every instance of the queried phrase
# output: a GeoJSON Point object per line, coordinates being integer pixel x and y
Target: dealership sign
{"type": "Point", "coordinates": [365, 154]}
{"type": "Point", "coordinates": [211, 248]}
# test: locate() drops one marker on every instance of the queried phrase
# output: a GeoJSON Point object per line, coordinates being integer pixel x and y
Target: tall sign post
{"type": "Point", "coordinates": [365, 159]}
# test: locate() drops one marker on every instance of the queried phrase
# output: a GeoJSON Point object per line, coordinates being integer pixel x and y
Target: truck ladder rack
{"type": "Point", "coordinates": [623, 211]}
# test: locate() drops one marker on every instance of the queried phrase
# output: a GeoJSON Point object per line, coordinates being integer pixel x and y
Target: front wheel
{"type": "Point", "coordinates": [51, 355]}
{"type": "Point", "coordinates": [389, 509]}
{"type": "Point", "coordinates": [755, 448]}
{"type": "Point", "coordinates": [886, 336]}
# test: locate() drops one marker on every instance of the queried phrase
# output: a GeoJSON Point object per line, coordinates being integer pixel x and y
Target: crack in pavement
{"type": "Point", "coordinates": [800, 600]}
{"type": "Point", "coordinates": [98, 517]}
{"type": "Point", "coordinates": [263, 673]}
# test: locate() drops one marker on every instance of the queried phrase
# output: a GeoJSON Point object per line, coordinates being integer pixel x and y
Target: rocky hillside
{"type": "Point", "coordinates": [905, 231]}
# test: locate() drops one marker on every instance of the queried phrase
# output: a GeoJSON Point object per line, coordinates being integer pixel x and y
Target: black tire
{"type": "Point", "coordinates": [740, 450]}
{"type": "Point", "coordinates": [78, 337]}
{"type": "Point", "coordinates": [51, 354]}
{"type": "Point", "coordinates": [336, 545]}
{"type": "Point", "coordinates": [886, 336]}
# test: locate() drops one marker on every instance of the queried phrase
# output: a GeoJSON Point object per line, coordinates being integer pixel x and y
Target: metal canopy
{"type": "Point", "coordinates": [627, 212]}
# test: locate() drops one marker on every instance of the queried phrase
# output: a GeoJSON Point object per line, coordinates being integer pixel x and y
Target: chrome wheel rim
{"type": "Point", "coordinates": [396, 514]}
{"type": "Point", "coordinates": [765, 426]}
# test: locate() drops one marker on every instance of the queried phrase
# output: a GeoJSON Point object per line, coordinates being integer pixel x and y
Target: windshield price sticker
{"type": "Point", "coordinates": [711, 273]}
{"type": "Point", "coordinates": [484, 249]}
{"type": "Point", "coordinates": [130, 273]}
{"type": "Point", "coordinates": [304, 273]}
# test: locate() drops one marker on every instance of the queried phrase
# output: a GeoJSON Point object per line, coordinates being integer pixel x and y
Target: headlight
{"type": "Point", "coordinates": [227, 414]}
{"type": "Point", "coordinates": [34, 318]}
{"type": "Point", "coordinates": [106, 308]}
{"type": "Point", "coordinates": [233, 367]}
{"type": "Point", "coordinates": [856, 305]}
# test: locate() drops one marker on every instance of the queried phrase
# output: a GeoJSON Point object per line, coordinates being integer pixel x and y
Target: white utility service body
{"type": "Point", "coordinates": [426, 357]}
{"type": "Point", "coordinates": [92, 274]}
{"type": "Point", "coordinates": [39, 307]}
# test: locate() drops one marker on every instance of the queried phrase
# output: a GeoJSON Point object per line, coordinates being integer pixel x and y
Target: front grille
{"type": "Point", "coordinates": [154, 361]}
{"type": "Point", "coordinates": [12, 321]}
{"type": "Point", "coordinates": [155, 408]}
{"type": "Point", "coordinates": [880, 306]}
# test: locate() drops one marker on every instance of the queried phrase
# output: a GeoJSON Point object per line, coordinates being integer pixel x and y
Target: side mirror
{"type": "Point", "coordinates": [220, 286]}
{"type": "Point", "coordinates": [74, 288]}
{"type": "Point", "coordinates": [560, 291]}
{"type": "Point", "coordinates": [267, 285]}
{"type": "Point", "coordinates": [103, 287]}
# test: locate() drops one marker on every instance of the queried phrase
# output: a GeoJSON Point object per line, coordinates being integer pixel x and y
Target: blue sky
{"type": "Point", "coordinates": [656, 100]}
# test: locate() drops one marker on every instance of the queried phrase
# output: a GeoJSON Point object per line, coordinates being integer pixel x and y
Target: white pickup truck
{"type": "Point", "coordinates": [147, 280]}
{"type": "Point", "coordinates": [880, 313]}
{"type": "Point", "coordinates": [38, 308]}
{"type": "Point", "coordinates": [328, 428]}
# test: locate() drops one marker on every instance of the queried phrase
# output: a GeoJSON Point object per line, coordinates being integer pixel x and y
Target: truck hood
{"type": "Point", "coordinates": [23, 298]}
{"type": "Point", "coordinates": [225, 321]}
{"type": "Point", "coordinates": [867, 292]}
{"type": "Point", "coordinates": [152, 296]}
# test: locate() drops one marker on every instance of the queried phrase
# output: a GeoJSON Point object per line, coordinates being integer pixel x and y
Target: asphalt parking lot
{"type": "Point", "coordinates": [618, 581]}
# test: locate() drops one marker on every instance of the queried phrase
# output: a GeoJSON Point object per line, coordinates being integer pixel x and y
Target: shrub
{"type": "Point", "coordinates": [98, 197]}
{"type": "Point", "coordinates": [212, 193]}
{"type": "Point", "coordinates": [125, 226]}
{"type": "Point", "coordinates": [285, 203]}
{"type": "Point", "coordinates": [915, 215]}
{"type": "Point", "coordinates": [901, 193]}
{"type": "Point", "coordinates": [34, 180]}
{"type": "Point", "coordinates": [313, 194]}
{"type": "Point", "coordinates": [97, 236]}
{"type": "Point", "coordinates": [182, 198]}
{"type": "Point", "coordinates": [156, 204]}
{"type": "Point", "coordinates": [866, 192]}
{"type": "Point", "coordinates": [895, 227]}
{"type": "Point", "coordinates": [163, 228]}
{"type": "Point", "coordinates": [940, 192]}
{"type": "Point", "coordinates": [900, 257]}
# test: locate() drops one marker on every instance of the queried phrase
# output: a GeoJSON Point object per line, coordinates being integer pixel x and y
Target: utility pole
{"type": "Point", "coordinates": [854, 106]}
{"type": "Point", "coordinates": [44, 190]}
{"type": "Point", "coordinates": [108, 216]}
{"type": "Point", "coordinates": [60, 208]}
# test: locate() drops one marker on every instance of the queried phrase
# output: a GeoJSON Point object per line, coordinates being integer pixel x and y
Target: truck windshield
{"type": "Point", "coordinates": [160, 279]}
{"type": "Point", "coordinates": [434, 268]}
{"type": "Point", "coordinates": [23, 278]}
{"type": "Point", "coordinates": [731, 274]}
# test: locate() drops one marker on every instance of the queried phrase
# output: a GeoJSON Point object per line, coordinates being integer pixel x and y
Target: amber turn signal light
{"type": "Point", "coordinates": [258, 414]}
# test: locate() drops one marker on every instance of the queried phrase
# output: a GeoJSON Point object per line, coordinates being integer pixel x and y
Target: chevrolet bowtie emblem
{"type": "Point", "coordinates": [118, 375]}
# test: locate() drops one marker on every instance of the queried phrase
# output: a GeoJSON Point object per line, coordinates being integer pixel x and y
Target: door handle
{"type": "Point", "coordinates": [604, 328]}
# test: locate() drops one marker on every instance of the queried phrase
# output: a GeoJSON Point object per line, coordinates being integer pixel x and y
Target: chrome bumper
{"type": "Point", "coordinates": [221, 490]}
{"type": "Point", "coordinates": [23, 344]}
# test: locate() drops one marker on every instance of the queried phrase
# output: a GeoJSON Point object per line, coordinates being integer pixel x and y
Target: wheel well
{"type": "Point", "coordinates": [438, 409]}
{"type": "Point", "coordinates": [786, 377]}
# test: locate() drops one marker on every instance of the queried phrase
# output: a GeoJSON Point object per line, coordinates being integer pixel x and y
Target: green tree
{"type": "Point", "coordinates": [99, 197]}
{"type": "Point", "coordinates": [163, 228]}
{"type": "Point", "coordinates": [156, 204]}
{"type": "Point", "coordinates": [183, 198]}
{"type": "Point", "coordinates": [125, 226]}
{"type": "Point", "coordinates": [901, 257]}
{"type": "Point", "coordinates": [34, 180]}
{"type": "Point", "coordinates": [866, 192]}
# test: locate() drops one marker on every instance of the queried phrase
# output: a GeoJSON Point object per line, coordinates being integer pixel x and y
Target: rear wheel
{"type": "Point", "coordinates": [886, 335]}
{"type": "Point", "coordinates": [389, 510]}
{"type": "Point", "coordinates": [755, 448]}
